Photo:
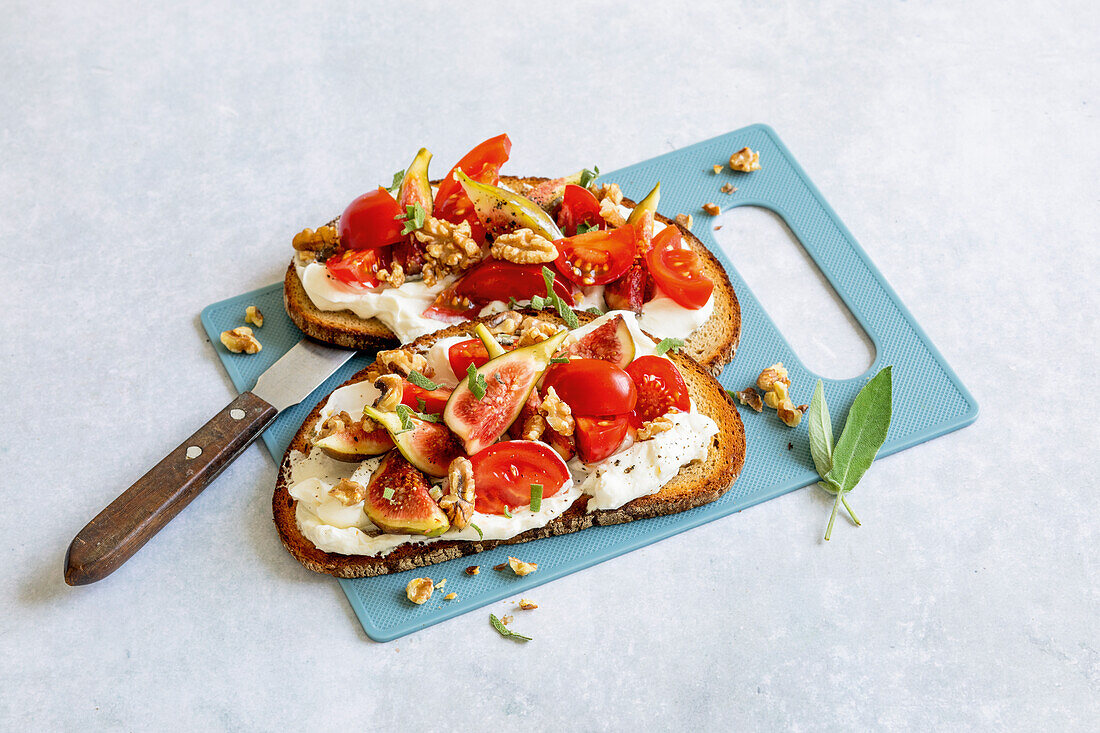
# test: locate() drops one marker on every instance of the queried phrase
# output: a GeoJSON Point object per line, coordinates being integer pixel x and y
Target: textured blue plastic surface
{"type": "Point", "coordinates": [929, 400]}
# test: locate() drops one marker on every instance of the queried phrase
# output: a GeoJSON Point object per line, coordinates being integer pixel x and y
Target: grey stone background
{"type": "Point", "coordinates": [156, 159]}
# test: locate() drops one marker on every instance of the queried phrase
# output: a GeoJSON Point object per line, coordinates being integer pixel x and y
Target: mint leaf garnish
{"type": "Point", "coordinates": [414, 218]}
{"type": "Point", "coordinates": [398, 177]}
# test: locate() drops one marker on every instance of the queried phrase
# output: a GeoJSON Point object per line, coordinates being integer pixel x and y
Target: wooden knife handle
{"type": "Point", "coordinates": [142, 510]}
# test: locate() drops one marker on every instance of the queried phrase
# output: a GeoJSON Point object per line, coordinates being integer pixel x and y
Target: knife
{"type": "Point", "coordinates": [142, 510]}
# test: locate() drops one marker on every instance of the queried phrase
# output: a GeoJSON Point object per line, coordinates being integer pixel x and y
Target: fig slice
{"type": "Point", "coordinates": [354, 444]}
{"type": "Point", "coordinates": [428, 446]}
{"type": "Point", "coordinates": [610, 341]}
{"type": "Point", "coordinates": [508, 380]}
{"type": "Point", "coordinates": [409, 508]}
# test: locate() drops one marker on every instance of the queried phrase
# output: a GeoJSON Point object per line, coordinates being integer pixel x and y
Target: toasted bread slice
{"type": "Point", "coordinates": [712, 344]}
{"type": "Point", "coordinates": [696, 484]}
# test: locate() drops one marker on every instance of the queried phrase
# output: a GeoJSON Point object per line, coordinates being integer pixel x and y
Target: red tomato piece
{"type": "Point", "coordinates": [596, 258]}
{"type": "Point", "coordinates": [592, 387]}
{"type": "Point", "coordinates": [369, 223]}
{"type": "Point", "coordinates": [660, 388]}
{"type": "Point", "coordinates": [599, 437]}
{"type": "Point", "coordinates": [359, 267]}
{"type": "Point", "coordinates": [493, 280]}
{"type": "Point", "coordinates": [504, 472]}
{"type": "Point", "coordinates": [678, 270]}
{"type": "Point", "coordinates": [578, 206]}
{"type": "Point", "coordinates": [481, 164]}
{"type": "Point", "coordinates": [434, 400]}
{"type": "Point", "coordinates": [464, 353]}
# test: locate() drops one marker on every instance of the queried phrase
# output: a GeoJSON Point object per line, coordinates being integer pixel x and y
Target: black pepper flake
{"type": "Point", "coordinates": [790, 446]}
{"type": "Point", "coordinates": [629, 469]}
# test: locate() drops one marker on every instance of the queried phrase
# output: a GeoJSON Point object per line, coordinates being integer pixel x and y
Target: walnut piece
{"type": "Point", "coordinates": [252, 315]}
{"type": "Point", "coordinates": [609, 191]}
{"type": "Point", "coordinates": [322, 241]}
{"type": "Point", "coordinates": [684, 220]}
{"type": "Point", "coordinates": [524, 247]}
{"type": "Point", "coordinates": [533, 427]}
{"type": "Point", "coordinates": [395, 276]}
{"type": "Point", "coordinates": [506, 620]}
{"type": "Point", "coordinates": [240, 340]}
{"type": "Point", "coordinates": [457, 501]}
{"type": "Point", "coordinates": [519, 567]}
{"type": "Point", "coordinates": [473, 570]}
{"type": "Point", "coordinates": [505, 323]}
{"type": "Point", "coordinates": [448, 248]}
{"type": "Point", "coordinates": [391, 387]}
{"type": "Point", "coordinates": [653, 427]}
{"type": "Point", "coordinates": [609, 212]}
{"type": "Point", "coordinates": [348, 493]}
{"type": "Point", "coordinates": [404, 362]}
{"type": "Point", "coordinates": [558, 415]}
{"type": "Point", "coordinates": [776, 383]}
{"type": "Point", "coordinates": [440, 584]}
{"type": "Point", "coordinates": [717, 169]}
{"type": "Point", "coordinates": [745, 160]}
{"type": "Point", "coordinates": [535, 331]}
{"type": "Point", "coordinates": [750, 397]}
{"type": "Point", "coordinates": [527, 605]}
{"type": "Point", "coordinates": [450, 596]}
{"type": "Point", "coordinates": [712, 209]}
{"type": "Point", "coordinates": [419, 590]}
{"type": "Point", "coordinates": [728, 188]}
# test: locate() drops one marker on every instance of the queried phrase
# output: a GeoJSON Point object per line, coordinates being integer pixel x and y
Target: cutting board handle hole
{"type": "Point", "coordinates": [794, 292]}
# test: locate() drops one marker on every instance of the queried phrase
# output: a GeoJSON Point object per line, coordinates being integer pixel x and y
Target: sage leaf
{"type": "Point", "coordinates": [821, 431]}
{"type": "Point", "coordinates": [864, 432]}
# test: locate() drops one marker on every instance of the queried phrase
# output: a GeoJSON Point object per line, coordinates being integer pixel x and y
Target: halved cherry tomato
{"type": "Point", "coordinates": [660, 387]}
{"type": "Point", "coordinates": [369, 223]}
{"type": "Point", "coordinates": [464, 353]}
{"type": "Point", "coordinates": [504, 472]}
{"type": "Point", "coordinates": [359, 267]}
{"type": "Point", "coordinates": [434, 400]}
{"type": "Point", "coordinates": [678, 270]}
{"type": "Point", "coordinates": [599, 437]}
{"type": "Point", "coordinates": [494, 280]}
{"type": "Point", "coordinates": [578, 206]}
{"type": "Point", "coordinates": [481, 164]}
{"type": "Point", "coordinates": [592, 387]}
{"type": "Point", "coordinates": [596, 258]}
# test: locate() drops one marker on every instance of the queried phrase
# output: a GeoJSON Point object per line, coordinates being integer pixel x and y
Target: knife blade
{"type": "Point", "coordinates": [141, 511]}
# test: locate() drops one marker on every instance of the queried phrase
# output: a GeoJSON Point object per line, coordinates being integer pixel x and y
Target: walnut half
{"type": "Point", "coordinates": [524, 247]}
{"type": "Point", "coordinates": [241, 340]}
{"type": "Point", "coordinates": [252, 315]}
{"type": "Point", "coordinates": [558, 415]}
{"type": "Point", "coordinates": [745, 160]}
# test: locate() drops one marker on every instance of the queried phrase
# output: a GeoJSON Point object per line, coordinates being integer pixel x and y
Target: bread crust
{"type": "Point", "coordinates": [696, 484]}
{"type": "Point", "coordinates": [712, 345]}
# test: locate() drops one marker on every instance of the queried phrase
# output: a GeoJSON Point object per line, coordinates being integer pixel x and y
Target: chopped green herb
{"type": "Point", "coordinates": [538, 302]}
{"type": "Point", "coordinates": [587, 176]}
{"type": "Point", "coordinates": [475, 381]}
{"type": "Point", "coordinates": [554, 299]}
{"type": "Point", "coordinates": [669, 344]}
{"type": "Point", "coordinates": [567, 314]}
{"type": "Point", "coordinates": [512, 302]}
{"type": "Point", "coordinates": [595, 311]}
{"type": "Point", "coordinates": [559, 360]}
{"type": "Point", "coordinates": [507, 513]}
{"type": "Point", "coordinates": [387, 493]}
{"type": "Point", "coordinates": [421, 381]}
{"type": "Point", "coordinates": [421, 405]}
{"type": "Point", "coordinates": [413, 217]}
{"type": "Point", "coordinates": [398, 177]}
{"type": "Point", "coordinates": [480, 534]}
{"type": "Point", "coordinates": [405, 414]}
{"type": "Point", "coordinates": [583, 228]}
{"type": "Point", "coordinates": [504, 630]}
{"type": "Point", "coordinates": [536, 497]}
{"type": "Point", "coordinates": [428, 416]}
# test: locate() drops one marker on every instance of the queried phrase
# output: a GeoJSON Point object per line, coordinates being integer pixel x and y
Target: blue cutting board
{"type": "Point", "coordinates": [929, 400]}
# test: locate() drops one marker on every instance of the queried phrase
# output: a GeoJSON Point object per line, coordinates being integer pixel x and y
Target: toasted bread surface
{"type": "Point", "coordinates": [696, 484]}
{"type": "Point", "coordinates": [712, 345]}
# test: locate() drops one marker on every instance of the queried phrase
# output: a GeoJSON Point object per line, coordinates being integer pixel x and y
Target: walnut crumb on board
{"type": "Point", "coordinates": [745, 160]}
{"type": "Point", "coordinates": [473, 570]}
{"type": "Point", "coordinates": [750, 397]}
{"type": "Point", "coordinates": [450, 596]}
{"type": "Point", "coordinates": [521, 568]}
{"type": "Point", "coordinates": [728, 188]}
{"type": "Point", "coordinates": [712, 209]}
{"type": "Point", "coordinates": [684, 220]}
{"type": "Point", "coordinates": [252, 315]}
{"type": "Point", "coordinates": [240, 340]}
{"type": "Point", "coordinates": [527, 605]}
{"type": "Point", "coordinates": [717, 169]}
{"type": "Point", "coordinates": [419, 590]}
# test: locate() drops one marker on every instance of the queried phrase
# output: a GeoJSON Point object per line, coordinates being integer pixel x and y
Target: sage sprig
{"type": "Point", "coordinates": [843, 465]}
